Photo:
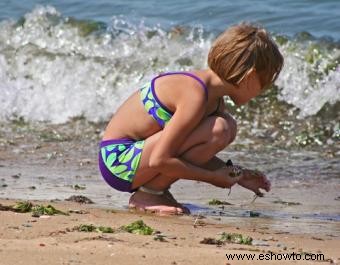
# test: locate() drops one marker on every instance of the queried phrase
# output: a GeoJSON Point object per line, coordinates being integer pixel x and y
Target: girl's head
{"type": "Point", "coordinates": [243, 48]}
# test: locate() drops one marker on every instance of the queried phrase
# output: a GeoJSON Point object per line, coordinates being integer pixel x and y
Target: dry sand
{"type": "Point", "coordinates": [50, 240]}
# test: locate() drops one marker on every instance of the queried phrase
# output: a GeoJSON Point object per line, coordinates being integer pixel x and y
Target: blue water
{"type": "Point", "coordinates": [321, 18]}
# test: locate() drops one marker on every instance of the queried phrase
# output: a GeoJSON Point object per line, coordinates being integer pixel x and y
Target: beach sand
{"type": "Point", "coordinates": [45, 165]}
{"type": "Point", "coordinates": [51, 239]}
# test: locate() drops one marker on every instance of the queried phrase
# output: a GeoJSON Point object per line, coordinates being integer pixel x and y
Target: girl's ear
{"type": "Point", "coordinates": [252, 76]}
{"type": "Point", "coordinates": [248, 74]}
{"type": "Point", "coordinates": [251, 72]}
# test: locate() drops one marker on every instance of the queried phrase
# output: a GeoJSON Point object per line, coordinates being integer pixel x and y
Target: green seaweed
{"type": "Point", "coordinates": [92, 228]}
{"type": "Point", "coordinates": [86, 27]}
{"type": "Point", "coordinates": [331, 66]}
{"type": "Point", "coordinates": [86, 228]}
{"type": "Point", "coordinates": [22, 207]}
{"type": "Point", "coordinates": [39, 210]}
{"type": "Point", "coordinates": [313, 53]}
{"type": "Point", "coordinates": [105, 229]}
{"type": "Point", "coordinates": [236, 238]}
{"type": "Point", "coordinates": [216, 202]}
{"type": "Point", "coordinates": [138, 227]}
{"type": "Point", "coordinates": [281, 40]}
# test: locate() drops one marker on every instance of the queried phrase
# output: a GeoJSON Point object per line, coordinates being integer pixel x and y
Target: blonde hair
{"type": "Point", "coordinates": [241, 48]}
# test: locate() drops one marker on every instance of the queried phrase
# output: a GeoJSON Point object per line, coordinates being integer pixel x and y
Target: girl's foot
{"type": "Point", "coordinates": [168, 194]}
{"type": "Point", "coordinates": [162, 204]}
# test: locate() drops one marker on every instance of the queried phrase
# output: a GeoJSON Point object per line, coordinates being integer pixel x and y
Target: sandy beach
{"type": "Point", "coordinates": [299, 216]}
{"type": "Point", "coordinates": [53, 240]}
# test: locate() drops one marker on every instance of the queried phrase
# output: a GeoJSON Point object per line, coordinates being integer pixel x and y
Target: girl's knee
{"type": "Point", "coordinates": [224, 131]}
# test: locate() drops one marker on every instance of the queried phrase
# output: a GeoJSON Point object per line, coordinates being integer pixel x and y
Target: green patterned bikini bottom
{"type": "Point", "coordinates": [119, 160]}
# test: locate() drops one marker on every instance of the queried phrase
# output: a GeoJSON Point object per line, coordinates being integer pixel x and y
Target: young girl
{"type": "Point", "coordinates": [173, 126]}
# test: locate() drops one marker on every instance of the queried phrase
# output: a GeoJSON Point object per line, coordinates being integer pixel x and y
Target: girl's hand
{"type": "Point", "coordinates": [225, 177]}
{"type": "Point", "coordinates": [254, 180]}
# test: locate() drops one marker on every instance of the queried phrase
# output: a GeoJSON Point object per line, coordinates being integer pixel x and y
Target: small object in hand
{"type": "Point", "coordinates": [236, 171]}
{"type": "Point", "coordinates": [229, 163]}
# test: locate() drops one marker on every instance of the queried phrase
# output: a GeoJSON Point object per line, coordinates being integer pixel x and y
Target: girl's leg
{"type": "Point", "coordinates": [211, 136]}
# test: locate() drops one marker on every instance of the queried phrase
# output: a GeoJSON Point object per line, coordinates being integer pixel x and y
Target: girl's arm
{"type": "Point", "coordinates": [190, 108]}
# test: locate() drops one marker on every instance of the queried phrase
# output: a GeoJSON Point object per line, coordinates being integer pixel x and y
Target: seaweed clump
{"type": "Point", "coordinates": [138, 227]}
{"type": "Point", "coordinates": [22, 207]}
{"type": "Point", "coordinates": [93, 228]}
{"type": "Point", "coordinates": [218, 202]}
{"type": "Point", "coordinates": [37, 210]}
{"type": "Point", "coordinates": [236, 238]}
{"type": "Point", "coordinates": [228, 238]}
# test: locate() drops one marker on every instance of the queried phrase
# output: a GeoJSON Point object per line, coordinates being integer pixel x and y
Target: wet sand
{"type": "Point", "coordinates": [50, 239]}
{"type": "Point", "coordinates": [59, 170]}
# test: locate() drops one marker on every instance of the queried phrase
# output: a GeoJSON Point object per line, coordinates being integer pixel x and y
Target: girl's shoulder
{"type": "Point", "coordinates": [184, 82]}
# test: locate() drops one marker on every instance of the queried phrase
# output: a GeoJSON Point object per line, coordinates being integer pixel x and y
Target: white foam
{"type": "Point", "coordinates": [298, 89]}
{"type": "Point", "coordinates": [49, 72]}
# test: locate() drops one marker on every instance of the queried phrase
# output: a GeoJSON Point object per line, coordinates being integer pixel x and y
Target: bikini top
{"type": "Point", "coordinates": [154, 106]}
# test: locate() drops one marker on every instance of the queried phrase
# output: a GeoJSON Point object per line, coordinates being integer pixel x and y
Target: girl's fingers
{"type": "Point", "coordinates": [266, 184]}
{"type": "Point", "coordinates": [259, 193]}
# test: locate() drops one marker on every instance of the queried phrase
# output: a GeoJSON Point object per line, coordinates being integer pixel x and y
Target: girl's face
{"type": "Point", "coordinates": [249, 88]}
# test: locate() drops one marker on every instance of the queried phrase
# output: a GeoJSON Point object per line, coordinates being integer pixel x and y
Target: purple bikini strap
{"type": "Point", "coordinates": [116, 141]}
{"type": "Point", "coordinates": [188, 74]}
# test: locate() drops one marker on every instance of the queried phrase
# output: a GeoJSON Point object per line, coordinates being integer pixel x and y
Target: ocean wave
{"type": "Point", "coordinates": [54, 68]}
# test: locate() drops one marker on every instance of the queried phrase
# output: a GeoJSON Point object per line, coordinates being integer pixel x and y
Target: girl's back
{"type": "Point", "coordinates": [132, 119]}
